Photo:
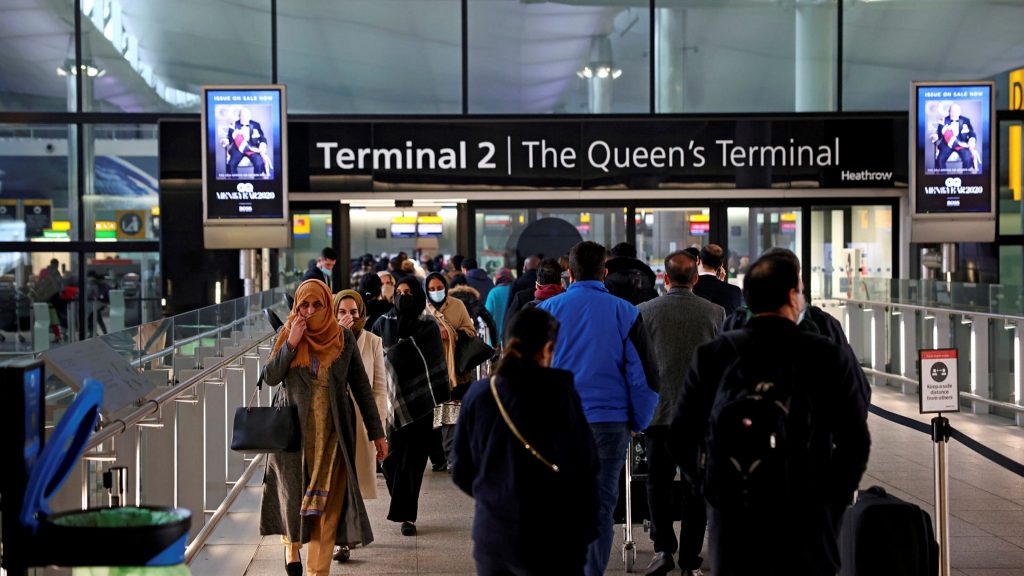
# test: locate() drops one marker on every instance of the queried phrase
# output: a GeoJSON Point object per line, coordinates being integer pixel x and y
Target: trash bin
{"type": "Point", "coordinates": [145, 540]}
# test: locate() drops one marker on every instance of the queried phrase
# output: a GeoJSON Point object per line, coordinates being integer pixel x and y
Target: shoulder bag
{"type": "Point", "coordinates": [470, 352]}
{"type": "Point", "coordinates": [267, 429]}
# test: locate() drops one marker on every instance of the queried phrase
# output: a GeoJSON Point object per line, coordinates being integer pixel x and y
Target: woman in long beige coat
{"type": "Point", "coordinates": [309, 496]}
{"type": "Point", "coordinates": [350, 311]}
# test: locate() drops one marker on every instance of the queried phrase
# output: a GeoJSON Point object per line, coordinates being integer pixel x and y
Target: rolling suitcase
{"type": "Point", "coordinates": [882, 534]}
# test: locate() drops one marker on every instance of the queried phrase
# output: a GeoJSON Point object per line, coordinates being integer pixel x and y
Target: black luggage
{"type": "Point", "coordinates": [638, 479]}
{"type": "Point", "coordinates": [882, 534]}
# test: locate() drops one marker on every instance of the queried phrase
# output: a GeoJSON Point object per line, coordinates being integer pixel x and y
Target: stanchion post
{"type": "Point", "coordinates": [940, 436]}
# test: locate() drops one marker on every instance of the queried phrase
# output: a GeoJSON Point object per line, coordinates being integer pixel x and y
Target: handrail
{"type": "Point", "coordinates": [963, 395]}
{"type": "Point", "coordinates": [194, 338]}
{"type": "Point", "coordinates": [922, 308]}
{"type": "Point", "coordinates": [153, 405]}
{"type": "Point", "coordinates": [199, 541]}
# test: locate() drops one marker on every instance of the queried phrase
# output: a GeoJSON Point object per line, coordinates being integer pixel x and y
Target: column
{"type": "Point", "coordinates": [980, 382]}
{"type": "Point", "coordinates": [815, 56]}
{"type": "Point", "coordinates": [600, 77]}
{"type": "Point", "coordinates": [670, 55]}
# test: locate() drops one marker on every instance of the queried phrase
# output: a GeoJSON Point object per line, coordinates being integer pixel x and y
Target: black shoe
{"type": "Point", "coordinates": [660, 565]}
{"type": "Point", "coordinates": [341, 553]}
{"type": "Point", "coordinates": [293, 568]}
{"type": "Point", "coordinates": [408, 529]}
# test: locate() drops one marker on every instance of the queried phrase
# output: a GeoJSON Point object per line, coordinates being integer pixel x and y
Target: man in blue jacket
{"type": "Point", "coordinates": [598, 343]}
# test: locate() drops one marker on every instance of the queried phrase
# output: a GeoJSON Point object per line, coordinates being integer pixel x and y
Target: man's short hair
{"type": "Point", "coordinates": [693, 251]}
{"type": "Point", "coordinates": [328, 253]}
{"type": "Point", "coordinates": [586, 261]}
{"type": "Point", "coordinates": [469, 263]}
{"type": "Point", "coordinates": [681, 268]}
{"type": "Point", "coordinates": [623, 250]}
{"type": "Point", "coordinates": [782, 253]}
{"type": "Point", "coordinates": [549, 272]}
{"type": "Point", "coordinates": [457, 261]}
{"type": "Point", "coordinates": [768, 283]}
{"type": "Point", "coordinates": [712, 256]}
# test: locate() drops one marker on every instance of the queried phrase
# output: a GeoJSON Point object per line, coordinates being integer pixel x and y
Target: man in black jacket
{"type": "Point", "coordinates": [522, 289]}
{"type": "Point", "coordinates": [711, 286]}
{"type": "Point", "coordinates": [628, 277]}
{"type": "Point", "coordinates": [792, 530]}
{"type": "Point", "coordinates": [321, 268]}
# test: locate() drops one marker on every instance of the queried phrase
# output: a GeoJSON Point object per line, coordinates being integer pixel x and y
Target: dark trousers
{"type": "Point", "coordinates": [235, 157]}
{"type": "Point", "coordinates": [966, 157]}
{"type": "Point", "coordinates": [789, 540]}
{"type": "Point", "coordinates": [660, 475]}
{"type": "Point", "coordinates": [403, 468]}
{"type": "Point", "coordinates": [438, 455]}
{"type": "Point", "coordinates": [555, 564]}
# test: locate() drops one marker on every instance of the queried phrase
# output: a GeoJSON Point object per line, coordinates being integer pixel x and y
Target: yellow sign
{"type": "Point", "coordinates": [131, 224]}
{"type": "Point", "coordinates": [61, 226]}
{"type": "Point", "coordinates": [301, 225]}
{"type": "Point", "coordinates": [429, 220]}
{"type": "Point", "coordinates": [403, 220]}
{"type": "Point", "coordinates": [789, 217]}
{"type": "Point", "coordinates": [106, 226]}
{"type": "Point", "coordinates": [700, 218]}
{"type": "Point", "coordinates": [1015, 149]}
{"type": "Point", "coordinates": [155, 210]}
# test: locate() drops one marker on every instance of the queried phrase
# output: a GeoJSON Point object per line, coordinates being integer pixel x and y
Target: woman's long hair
{"type": "Point", "coordinates": [528, 332]}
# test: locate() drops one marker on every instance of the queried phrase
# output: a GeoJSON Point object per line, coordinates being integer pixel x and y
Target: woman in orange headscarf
{"type": "Point", "coordinates": [312, 496]}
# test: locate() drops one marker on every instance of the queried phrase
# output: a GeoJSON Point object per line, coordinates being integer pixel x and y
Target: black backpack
{"type": "Point", "coordinates": [758, 448]}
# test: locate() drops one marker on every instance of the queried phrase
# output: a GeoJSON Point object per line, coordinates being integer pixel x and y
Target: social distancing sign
{"type": "Point", "coordinates": [940, 389]}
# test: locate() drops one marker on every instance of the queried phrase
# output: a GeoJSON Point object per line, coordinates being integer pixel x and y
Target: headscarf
{"type": "Point", "coordinates": [426, 285]}
{"type": "Point", "coordinates": [323, 336]}
{"type": "Point", "coordinates": [503, 276]}
{"type": "Point", "coordinates": [369, 287]}
{"type": "Point", "coordinates": [357, 325]}
{"type": "Point", "coordinates": [409, 314]}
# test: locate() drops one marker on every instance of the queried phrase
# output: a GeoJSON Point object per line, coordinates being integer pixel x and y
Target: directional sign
{"type": "Point", "coordinates": [940, 390]}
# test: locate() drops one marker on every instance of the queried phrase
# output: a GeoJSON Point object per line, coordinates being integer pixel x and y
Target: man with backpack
{"type": "Point", "coordinates": [772, 425]}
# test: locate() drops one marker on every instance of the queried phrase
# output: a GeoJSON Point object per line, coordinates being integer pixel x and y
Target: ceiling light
{"type": "Point", "coordinates": [603, 72]}
{"type": "Point", "coordinates": [616, 73]}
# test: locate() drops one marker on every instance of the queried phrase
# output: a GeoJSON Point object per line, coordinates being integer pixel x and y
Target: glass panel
{"type": "Point", "coordinates": [37, 49]}
{"type": "Point", "coordinates": [141, 56]}
{"type": "Point", "coordinates": [122, 198]}
{"type": "Point", "coordinates": [371, 56]}
{"type": "Point", "coordinates": [386, 232]}
{"type": "Point", "coordinates": [38, 301]}
{"type": "Point", "coordinates": [1011, 265]}
{"type": "Point", "coordinates": [535, 58]}
{"type": "Point", "coordinates": [1011, 155]}
{"type": "Point", "coordinates": [661, 231]}
{"type": "Point", "coordinates": [849, 242]}
{"type": "Point", "coordinates": [38, 197]}
{"type": "Point", "coordinates": [745, 56]}
{"type": "Point", "coordinates": [754, 230]}
{"type": "Point", "coordinates": [887, 45]}
{"type": "Point", "coordinates": [123, 289]}
{"type": "Point", "coordinates": [496, 230]}
{"type": "Point", "coordinates": [311, 232]}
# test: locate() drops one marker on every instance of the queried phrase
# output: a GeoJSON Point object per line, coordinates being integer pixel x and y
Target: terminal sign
{"type": "Point", "coordinates": [940, 391]}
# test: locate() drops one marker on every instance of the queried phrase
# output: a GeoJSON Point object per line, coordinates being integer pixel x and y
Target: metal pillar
{"type": "Point", "coordinates": [670, 56]}
{"type": "Point", "coordinates": [879, 330]}
{"type": "Point", "coordinates": [979, 364]}
{"type": "Point", "coordinates": [599, 82]}
{"type": "Point", "coordinates": [940, 436]}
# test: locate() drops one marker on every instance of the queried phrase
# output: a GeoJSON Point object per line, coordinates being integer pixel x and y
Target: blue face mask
{"type": "Point", "coordinates": [436, 297]}
{"type": "Point", "coordinates": [326, 271]}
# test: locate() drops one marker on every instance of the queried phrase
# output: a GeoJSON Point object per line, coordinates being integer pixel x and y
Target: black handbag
{"type": "Point", "coordinates": [470, 352]}
{"type": "Point", "coordinates": [270, 429]}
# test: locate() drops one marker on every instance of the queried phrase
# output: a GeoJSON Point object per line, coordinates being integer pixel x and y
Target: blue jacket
{"type": "Point", "coordinates": [597, 342]}
{"type": "Point", "coordinates": [497, 302]}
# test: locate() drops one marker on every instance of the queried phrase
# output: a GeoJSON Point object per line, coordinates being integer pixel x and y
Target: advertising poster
{"type": "Point", "coordinates": [953, 148]}
{"type": "Point", "coordinates": [244, 143]}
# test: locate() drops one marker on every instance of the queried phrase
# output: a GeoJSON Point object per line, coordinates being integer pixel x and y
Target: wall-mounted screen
{"type": "Point", "coordinates": [244, 159]}
{"type": "Point", "coordinates": [953, 143]}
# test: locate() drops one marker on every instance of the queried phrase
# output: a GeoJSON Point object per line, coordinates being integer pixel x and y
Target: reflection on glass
{"type": "Point", "coordinates": [661, 231]}
{"type": "Point", "coordinates": [122, 290]}
{"type": "Point", "coordinates": [421, 232]}
{"type": "Point", "coordinates": [529, 58]}
{"type": "Point", "coordinates": [38, 300]}
{"type": "Point", "coordinates": [122, 198]}
{"type": "Point", "coordinates": [754, 230]}
{"type": "Point", "coordinates": [36, 52]}
{"type": "Point", "coordinates": [848, 243]}
{"type": "Point", "coordinates": [38, 183]}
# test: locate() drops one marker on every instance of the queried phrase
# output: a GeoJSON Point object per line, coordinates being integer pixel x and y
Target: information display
{"type": "Point", "coordinates": [940, 389]}
{"type": "Point", "coordinates": [244, 153]}
{"type": "Point", "coordinates": [953, 144]}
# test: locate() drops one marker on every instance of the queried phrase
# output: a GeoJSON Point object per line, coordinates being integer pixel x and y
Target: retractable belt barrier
{"type": "Point", "coordinates": [972, 444]}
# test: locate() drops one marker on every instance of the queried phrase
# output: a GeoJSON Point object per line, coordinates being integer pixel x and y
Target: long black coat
{"type": "Point", "coordinates": [287, 474]}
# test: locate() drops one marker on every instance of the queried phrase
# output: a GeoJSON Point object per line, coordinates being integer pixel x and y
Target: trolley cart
{"type": "Point", "coordinates": [636, 461]}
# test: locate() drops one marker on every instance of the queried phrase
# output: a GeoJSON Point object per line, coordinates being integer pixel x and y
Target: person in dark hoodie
{"type": "Point", "coordinates": [477, 278]}
{"type": "Point", "coordinates": [549, 281]}
{"type": "Point", "coordinates": [370, 287]}
{"type": "Point", "coordinates": [523, 287]}
{"type": "Point", "coordinates": [549, 456]}
{"type": "Point", "coordinates": [462, 290]}
{"type": "Point", "coordinates": [628, 277]}
{"type": "Point", "coordinates": [417, 381]}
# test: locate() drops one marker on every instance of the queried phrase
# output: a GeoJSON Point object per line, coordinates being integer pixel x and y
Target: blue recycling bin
{"type": "Point", "coordinates": [125, 541]}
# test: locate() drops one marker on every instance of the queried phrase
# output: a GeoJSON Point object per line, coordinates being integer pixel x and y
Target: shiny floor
{"type": "Point", "coordinates": [987, 506]}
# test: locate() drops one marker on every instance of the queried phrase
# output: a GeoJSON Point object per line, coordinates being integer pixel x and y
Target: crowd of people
{"type": "Point", "coordinates": [753, 397]}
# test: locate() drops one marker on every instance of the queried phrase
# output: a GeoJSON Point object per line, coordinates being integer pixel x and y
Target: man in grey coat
{"type": "Point", "coordinates": [677, 323]}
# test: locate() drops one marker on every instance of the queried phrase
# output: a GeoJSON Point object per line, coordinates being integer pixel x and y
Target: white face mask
{"type": "Point", "coordinates": [436, 297]}
{"type": "Point", "coordinates": [388, 291]}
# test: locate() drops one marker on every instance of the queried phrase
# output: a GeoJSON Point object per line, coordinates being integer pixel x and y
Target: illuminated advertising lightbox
{"type": "Point", "coordinates": [244, 154]}
{"type": "Point", "coordinates": [953, 164]}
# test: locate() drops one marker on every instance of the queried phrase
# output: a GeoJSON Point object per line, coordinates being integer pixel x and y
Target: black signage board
{"type": "Point", "coordinates": [594, 154]}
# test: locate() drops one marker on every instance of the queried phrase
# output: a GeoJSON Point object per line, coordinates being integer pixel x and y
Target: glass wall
{"type": "Point", "coordinates": [661, 231]}
{"type": "Point", "coordinates": [754, 230]}
{"type": "Point", "coordinates": [122, 199]}
{"type": "Point", "coordinates": [37, 48]}
{"type": "Point", "coordinates": [38, 200]}
{"type": "Point", "coordinates": [371, 56]}
{"type": "Point", "coordinates": [848, 243]}
{"type": "Point", "coordinates": [38, 300]}
{"type": "Point", "coordinates": [384, 232]}
{"type": "Point", "coordinates": [535, 58]}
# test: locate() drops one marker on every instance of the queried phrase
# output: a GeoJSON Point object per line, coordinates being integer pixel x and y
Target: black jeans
{"type": "Point", "coordinates": [404, 466]}
{"type": "Point", "coordinates": [660, 475]}
{"type": "Point", "coordinates": [556, 564]}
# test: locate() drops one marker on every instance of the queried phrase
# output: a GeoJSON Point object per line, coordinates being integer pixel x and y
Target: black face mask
{"type": "Point", "coordinates": [404, 303]}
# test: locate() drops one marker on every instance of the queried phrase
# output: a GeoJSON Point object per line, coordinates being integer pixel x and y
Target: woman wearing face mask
{"type": "Point", "coordinates": [549, 458]}
{"type": "Point", "coordinates": [417, 381]}
{"type": "Point", "coordinates": [310, 496]}
{"type": "Point", "coordinates": [376, 306]}
{"type": "Point", "coordinates": [387, 289]}
{"type": "Point", "coordinates": [351, 314]}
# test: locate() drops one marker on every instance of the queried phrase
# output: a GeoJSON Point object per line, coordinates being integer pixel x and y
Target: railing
{"type": "Point", "coordinates": [174, 442]}
{"type": "Point", "coordinates": [886, 333]}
